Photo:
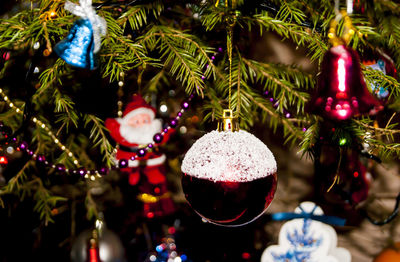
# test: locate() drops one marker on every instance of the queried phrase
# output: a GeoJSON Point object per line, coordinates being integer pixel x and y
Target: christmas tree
{"type": "Point", "coordinates": [100, 101]}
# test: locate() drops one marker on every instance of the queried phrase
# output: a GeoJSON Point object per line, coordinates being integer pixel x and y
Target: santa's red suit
{"type": "Point", "coordinates": [133, 131]}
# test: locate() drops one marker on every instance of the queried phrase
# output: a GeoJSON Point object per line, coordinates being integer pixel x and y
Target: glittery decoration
{"type": "Point", "coordinates": [229, 156]}
{"type": "Point", "coordinates": [77, 48]}
{"type": "Point", "coordinates": [84, 39]}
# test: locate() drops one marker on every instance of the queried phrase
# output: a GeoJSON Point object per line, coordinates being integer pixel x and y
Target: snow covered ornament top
{"type": "Point", "coordinates": [229, 156]}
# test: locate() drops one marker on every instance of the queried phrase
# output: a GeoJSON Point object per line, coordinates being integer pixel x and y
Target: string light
{"type": "Point", "coordinates": [90, 174]}
{"type": "Point", "coordinates": [42, 125]}
{"type": "Point", "coordinates": [120, 93]}
{"type": "Point", "coordinates": [104, 170]}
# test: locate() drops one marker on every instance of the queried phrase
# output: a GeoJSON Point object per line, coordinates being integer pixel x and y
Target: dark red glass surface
{"type": "Point", "coordinates": [229, 203]}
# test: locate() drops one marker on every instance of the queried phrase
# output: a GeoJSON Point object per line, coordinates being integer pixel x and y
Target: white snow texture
{"type": "Point", "coordinates": [229, 156]}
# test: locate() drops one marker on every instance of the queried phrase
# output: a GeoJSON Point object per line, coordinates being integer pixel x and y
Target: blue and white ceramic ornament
{"type": "Point", "coordinates": [306, 240]}
{"type": "Point", "coordinates": [84, 39]}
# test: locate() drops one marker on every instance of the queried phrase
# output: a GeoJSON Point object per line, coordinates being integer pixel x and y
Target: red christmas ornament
{"type": "Point", "coordinates": [341, 92]}
{"type": "Point", "coordinates": [136, 129]}
{"type": "Point", "coordinates": [229, 178]}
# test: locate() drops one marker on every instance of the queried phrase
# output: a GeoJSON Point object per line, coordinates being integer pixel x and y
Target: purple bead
{"type": "Point", "coordinates": [133, 158]}
{"type": "Point", "coordinates": [266, 92]}
{"type": "Point", "coordinates": [220, 49]}
{"type": "Point", "coordinates": [287, 115]}
{"type": "Point", "coordinates": [304, 129]}
{"type": "Point", "coordinates": [191, 96]}
{"type": "Point", "coordinates": [141, 152]}
{"type": "Point", "coordinates": [213, 57]}
{"type": "Point", "coordinates": [122, 163]}
{"type": "Point", "coordinates": [60, 168]}
{"type": "Point", "coordinates": [158, 138]}
{"type": "Point", "coordinates": [103, 171]}
{"type": "Point", "coordinates": [203, 77]}
{"type": "Point", "coordinates": [185, 105]}
{"type": "Point", "coordinates": [14, 139]}
{"type": "Point", "coordinates": [179, 114]}
{"type": "Point", "coordinates": [173, 122]}
{"type": "Point", "coordinates": [271, 99]}
{"type": "Point", "coordinates": [40, 158]}
{"type": "Point", "coordinates": [150, 145]}
{"type": "Point", "coordinates": [165, 130]}
{"type": "Point", "coordinates": [81, 171]}
{"type": "Point", "coordinates": [30, 152]}
{"type": "Point", "coordinates": [23, 145]}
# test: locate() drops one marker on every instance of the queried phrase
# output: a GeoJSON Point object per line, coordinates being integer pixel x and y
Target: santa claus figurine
{"type": "Point", "coordinates": [134, 131]}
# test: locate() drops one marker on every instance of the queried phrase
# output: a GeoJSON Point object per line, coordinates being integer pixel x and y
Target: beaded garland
{"type": "Point", "coordinates": [92, 174]}
{"type": "Point", "coordinates": [275, 104]}
{"type": "Point", "coordinates": [89, 174]}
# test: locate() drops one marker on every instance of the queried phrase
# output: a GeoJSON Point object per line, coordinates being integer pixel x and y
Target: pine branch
{"type": "Point", "coordinates": [378, 78]}
{"type": "Point", "coordinates": [137, 16]}
{"type": "Point", "coordinates": [99, 137]}
{"type": "Point", "coordinates": [289, 12]}
{"type": "Point", "coordinates": [311, 137]}
{"type": "Point", "coordinates": [48, 78]}
{"type": "Point", "coordinates": [383, 149]}
{"type": "Point", "coordinates": [64, 107]}
{"type": "Point", "coordinates": [282, 84]}
{"type": "Point", "coordinates": [287, 30]}
{"type": "Point", "coordinates": [183, 58]}
{"type": "Point", "coordinates": [290, 131]}
{"type": "Point", "coordinates": [45, 202]}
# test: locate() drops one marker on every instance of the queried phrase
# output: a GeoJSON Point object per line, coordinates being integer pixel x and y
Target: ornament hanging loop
{"type": "Point", "coordinates": [348, 5]}
{"type": "Point", "coordinates": [85, 10]}
{"type": "Point", "coordinates": [228, 122]}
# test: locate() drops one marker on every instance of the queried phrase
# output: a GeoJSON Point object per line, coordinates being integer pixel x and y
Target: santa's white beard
{"type": "Point", "coordinates": [140, 135]}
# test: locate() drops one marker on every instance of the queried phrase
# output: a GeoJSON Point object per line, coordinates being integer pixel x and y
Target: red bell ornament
{"type": "Point", "coordinates": [341, 90]}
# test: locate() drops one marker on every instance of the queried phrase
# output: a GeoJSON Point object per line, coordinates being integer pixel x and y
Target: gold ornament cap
{"type": "Point", "coordinates": [228, 122]}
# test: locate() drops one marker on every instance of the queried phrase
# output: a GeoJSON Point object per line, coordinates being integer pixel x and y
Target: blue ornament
{"type": "Point", "coordinates": [77, 48]}
{"type": "Point", "coordinates": [380, 91]}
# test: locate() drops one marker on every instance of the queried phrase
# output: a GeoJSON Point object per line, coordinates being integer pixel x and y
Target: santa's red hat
{"type": "Point", "coordinates": [138, 106]}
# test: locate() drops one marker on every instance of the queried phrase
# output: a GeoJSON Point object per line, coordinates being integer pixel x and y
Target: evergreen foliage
{"type": "Point", "coordinates": [172, 41]}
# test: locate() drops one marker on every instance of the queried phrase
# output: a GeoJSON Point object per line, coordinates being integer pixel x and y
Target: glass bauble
{"type": "Point", "coordinates": [229, 178]}
{"type": "Point", "coordinates": [110, 247]}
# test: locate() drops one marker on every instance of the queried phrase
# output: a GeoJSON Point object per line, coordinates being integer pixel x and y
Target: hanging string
{"type": "Point", "coordinates": [231, 23]}
{"type": "Point", "coordinates": [229, 49]}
